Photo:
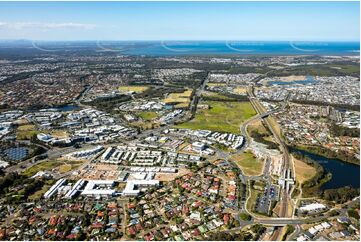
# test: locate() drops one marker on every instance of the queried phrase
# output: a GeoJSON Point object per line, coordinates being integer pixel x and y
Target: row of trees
{"type": "Point", "coordinates": [260, 138]}
{"type": "Point", "coordinates": [340, 195]}
{"type": "Point", "coordinates": [340, 154]}
{"type": "Point", "coordinates": [107, 104]}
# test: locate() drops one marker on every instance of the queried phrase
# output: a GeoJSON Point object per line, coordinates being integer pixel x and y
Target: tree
{"type": "Point", "coordinates": [341, 195]}
{"type": "Point", "coordinates": [245, 216]}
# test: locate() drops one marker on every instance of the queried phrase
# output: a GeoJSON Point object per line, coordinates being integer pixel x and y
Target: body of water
{"type": "Point", "coordinates": [307, 80]}
{"type": "Point", "coordinates": [67, 108]}
{"type": "Point", "coordinates": [175, 48]}
{"type": "Point", "coordinates": [343, 174]}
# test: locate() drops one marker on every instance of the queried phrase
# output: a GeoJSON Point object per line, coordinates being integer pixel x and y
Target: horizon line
{"type": "Point", "coordinates": [184, 40]}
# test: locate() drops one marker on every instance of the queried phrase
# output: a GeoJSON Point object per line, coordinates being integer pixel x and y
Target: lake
{"type": "Point", "coordinates": [343, 174]}
{"type": "Point", "coordinates": [307, 80]}
{"type": "Point", "coordinates": [67, 108]}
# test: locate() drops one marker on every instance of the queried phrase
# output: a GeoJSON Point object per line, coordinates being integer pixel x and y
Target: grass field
{"type": "Point", "coordinates": [216, 95]}
{"type": "Point", "coordinates": [181, 99]}
{"type": "Point", "coordinates": [222, 116]}
{"type": "Point", "coordinates": [60, 166]}
{"type": "Point", "coordinates": [137, 89]}
{"type": "Point", "coordinates": [64, 168]}
{"type": "Point", "coordinates": [59, 134]}
{"type": "Point", "coordinates": [42, 166]}
{"type": "Point", "coordinates": [303, 171]}
{"type": "Point", "coordinates": [148, 115]}
{"type": "Point", "coordinates": [347, 69]}
{"type": "Point", "coordinates": [257, 126]}
{"type": "Point", "coordinates": [25, 132]}
{"type": "Point", "coordinates": [213, 84]}
{"type": "Point", "coordinates": [252, 200]}
{"type": "Point", "coordinates": [248, 163]}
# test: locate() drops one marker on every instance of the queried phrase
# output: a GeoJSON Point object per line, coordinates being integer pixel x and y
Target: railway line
{"type": "Point", "coordinates": [286, 156]}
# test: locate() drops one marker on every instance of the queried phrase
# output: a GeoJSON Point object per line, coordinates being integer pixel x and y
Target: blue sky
{"type": "Point", "coordinates": [332, 21]}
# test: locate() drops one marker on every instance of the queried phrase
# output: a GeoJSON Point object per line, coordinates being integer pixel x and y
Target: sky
{"type": "Point", "coordinates": [266, 21]}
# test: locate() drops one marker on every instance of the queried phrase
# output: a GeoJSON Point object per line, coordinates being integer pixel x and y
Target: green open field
{"type": "Point", "coordinates": [222, 116]}
{"type": "Point", "coordinates": [60, 166]}
{"type": "Point", "coordinates": [148, 115]}
{"type": "Point", "coordinates": [248, 163]}
{"type": "Point", "coordinates": [252, 199]}
{"type": "Point", "coordinates": [347, 69]}
{"type": "Point", "coordinates": [215, 95]}
{"type": "Point", "coordinates": [25, 132]}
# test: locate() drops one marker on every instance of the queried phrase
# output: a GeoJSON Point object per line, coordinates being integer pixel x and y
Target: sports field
{"type": "Point", "coordinates": [221, 116]}
{"type": "Point", "coordinates": [248, 163]}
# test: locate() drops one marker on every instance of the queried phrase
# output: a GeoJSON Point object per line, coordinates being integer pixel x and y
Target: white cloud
{"type": "Point", "coordinates": [44, 26]}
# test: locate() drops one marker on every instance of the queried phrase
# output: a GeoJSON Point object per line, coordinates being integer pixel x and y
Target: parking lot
{"type": "Point", "coordinates": [263, 202]}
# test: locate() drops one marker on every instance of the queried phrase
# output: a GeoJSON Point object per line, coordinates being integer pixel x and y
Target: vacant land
{"type": "Point", "coordinates": [215, 95]}
{"type": "Point", "coordinates": [216, 84]}
{"type": "Point", "coordinates": [148, 115]}
{"type": "Point", "coordinates": [60, 134]}
{"type": "Point", "coordinates": [248, 163]}
{"type": "Point", "coordinates": [25, 132]}
{"type": "Point", "coordinates": [240, 90]}
{"type": "Point", "coordinates": [137, 89]}
{"type": "Point", "coordinates": [144, 125]}
{"type": "Point", "coordinates": [303, 171]}
{"type": "Point", "coordinates": [180, 100]}
{"type": "Point", "coordinates": [258, 127]}
{"type": "Point", "coordinates": [171, 176]}
{"type": "Point", "coordinates": [222, 116]}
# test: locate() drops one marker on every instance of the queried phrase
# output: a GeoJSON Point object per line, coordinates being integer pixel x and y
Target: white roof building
{"type": "Point", "coordinates": [99, 188]}
{"type": "Point", "coordinates": [326, 225]}
{"type": "Point", "coordinates": [301, 238]}
{"type": "Point", "coordinates": [132, 185]}
{"type": "Point", "coordinates": [54, 188]}
{"type": "Point", "coordinates": [312, 231]}
{"type": "Point", "coordinates": [312, 206]}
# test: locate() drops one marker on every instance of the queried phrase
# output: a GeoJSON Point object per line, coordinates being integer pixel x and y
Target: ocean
{"type": "Point", "coordinates": [181, 48]}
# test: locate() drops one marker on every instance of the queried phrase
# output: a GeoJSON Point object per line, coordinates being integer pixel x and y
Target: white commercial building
{"type": "Point", "coordinates": [75, 189]}
{"type": "Point", "coordinates": [54, 188]}
{"type": "Point", "coordinates": [133, 186]}
{"type": "Point", "coordinates": [312, 207]}
{"type": "Point", "coordinates": [99, 188]}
